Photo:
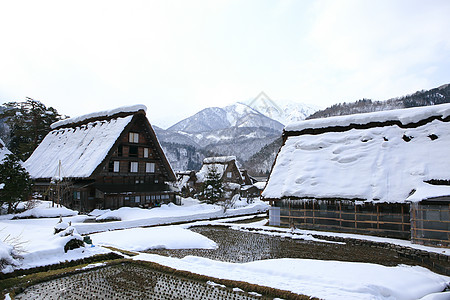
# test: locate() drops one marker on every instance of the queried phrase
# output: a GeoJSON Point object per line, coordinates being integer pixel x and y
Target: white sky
{"type": "Point", "coordinates": [178, 57]}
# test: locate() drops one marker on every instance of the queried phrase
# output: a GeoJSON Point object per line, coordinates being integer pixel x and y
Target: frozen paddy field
{"type": "Point", "coordinates": [130, 281]}
{"type": "Point", "coordinates": [319, 270]}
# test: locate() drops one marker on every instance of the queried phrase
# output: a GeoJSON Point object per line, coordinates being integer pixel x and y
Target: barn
{"type": "Point", "coordinates": [383, 173]}
{"type": "Point", "coordinates": [106, 159]}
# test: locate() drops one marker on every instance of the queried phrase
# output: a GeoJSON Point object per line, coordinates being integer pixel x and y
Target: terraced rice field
{"type": "Point", "coordinates": [239, 246]}
{"type": "Point", "coordinates": [130, 281]}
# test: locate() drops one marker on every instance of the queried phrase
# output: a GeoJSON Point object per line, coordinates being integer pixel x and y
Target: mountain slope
{"type": "Point", "coordinates": [284, 112]}
{"type": "Point", "coordinates": [236, 129]}
{"type": "Point", "coordinates": [434, 96]}
{"type": "Point", "coordinates": [215, 118]}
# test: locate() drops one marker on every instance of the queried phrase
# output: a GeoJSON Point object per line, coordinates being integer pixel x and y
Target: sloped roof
{"type": "Point", "coordinates": [99, 114]}
{"type": "Point", "coordinates": [383, 162]}
{"type": "Point", "coordinates": [399, 116]}
{"type": "Point", "coordinates": [219, 159]}
{"type": "Point", "coordinates": [80, 149]}
{"type": "Point", "coordinates": [219, 162]}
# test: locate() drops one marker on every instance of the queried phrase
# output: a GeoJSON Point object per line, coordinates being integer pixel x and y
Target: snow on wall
{"type": "Point", "coordinates": [376, 164]}
{"type": "Point", "coordinates": [219, 159]}
{"type": "Point", "coordinates": [79, 149]}
{"type": "Point", "coordinates": [3, 150]}
{"type": "Point", "coordinates": [105, 113]}
{"type": "Point", "coordinates": [405, 116]}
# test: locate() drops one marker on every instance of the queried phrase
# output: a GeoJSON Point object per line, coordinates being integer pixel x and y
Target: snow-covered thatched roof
{"type": "Point", "coordinates": [80, 149]}
{"type": "Point", "coordinates": [99, 114]}
{"type": "Point", "coordinates": [391, 157]}
{"type": "Point", "coordinates": [400, 116]}
{"type": "Point", "coordinates": [219, 159]}
{"type": "Point", "coordinates": [79, 143]}
{"type": "Point", "coordinates": [3, 150]}
{"type": "Point", "coordinates": [220, 163]}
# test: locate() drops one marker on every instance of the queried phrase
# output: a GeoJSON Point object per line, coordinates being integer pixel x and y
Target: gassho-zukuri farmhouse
{"type": "Point", "coordinates": [106, 159]}
{"type": "Point", "coordinates": [383, 173]}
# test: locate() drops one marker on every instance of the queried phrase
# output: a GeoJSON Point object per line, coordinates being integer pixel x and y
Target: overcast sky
{"type": "Point", "coordinates": [178, 57]}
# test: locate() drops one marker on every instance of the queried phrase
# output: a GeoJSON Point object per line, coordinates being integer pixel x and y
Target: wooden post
{"type": "Point", "coordinates": [378, 217]}
{"type": "Point", "coordinates": [305, 220]}
{"type": "Point", "coordinates": [413, 224]}
{"type": "Point", "coordinates": [356, 224]}
{"type": "Point", "coordinates": [403, 224]}
{"type": "Point", "coordinates": [313, 214]}
{"type": "Point", "coordinates": [340, 214]}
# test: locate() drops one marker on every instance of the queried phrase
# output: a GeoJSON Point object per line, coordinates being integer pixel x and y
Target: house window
{"type": "Point", "coordinates": [76, 195]}
{"type": "Point", "coordinates": [114, 166]}
{"type": "Point", "coordinates": [133, 137]}
{"type": "Point", "coordinates": [133, 152]}
{"type": "Point", "coordinates": [137, 199]}
{"type": "Point", "coordinates": [229, 174]}
{"type": "Point", "coordinates": [145, 152]}
{"type": "Point", "coordinates": [134, 166]}
{"type": "Point", "coordinates": [150, 167]}
{"type": "Point", "coordinates": [156, 180]}
{"type": "Point", "coordinates": [120, 151]}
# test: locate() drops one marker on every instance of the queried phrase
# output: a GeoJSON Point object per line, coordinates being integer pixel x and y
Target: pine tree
{"type": "Point", "coordinates": [15, 182]}
{"type": "Point", "coordinates": [213, 187]}
{"type": "Point", "coordinates": [28, 122]}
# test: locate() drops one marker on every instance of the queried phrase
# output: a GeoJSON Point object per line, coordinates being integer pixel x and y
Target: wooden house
{"type": "Point", "coordinates": [226, 166]}
{"type": "Point", "coordinates": [107, 159]}
{"type": "Point", "coordinates": [383, 173]}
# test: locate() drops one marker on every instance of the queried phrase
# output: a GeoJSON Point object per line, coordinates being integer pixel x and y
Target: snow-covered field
{"type": "Point", "coordinates": [318, 278]}
{"type": "Point", "coordinates": [324, 279]}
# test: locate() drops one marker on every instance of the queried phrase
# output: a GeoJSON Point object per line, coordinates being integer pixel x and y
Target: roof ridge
{"type": "Point", "coordinates": [122, 111]}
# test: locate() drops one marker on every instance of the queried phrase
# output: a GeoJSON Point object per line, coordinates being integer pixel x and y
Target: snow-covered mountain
{"type": "Point", "coordinates": [282, 111]}
{"type": "Point", "coordinates": [237, 129]}
{"type": "Point", "coordinates": [215, 118]}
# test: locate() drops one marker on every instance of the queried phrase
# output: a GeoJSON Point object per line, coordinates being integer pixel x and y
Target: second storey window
{"type": "Point", "coordinates": [134, 166]}
{"type": "Point", "coordinates": [145, 152]}
{"type": "Point", "coordinates": [229, 174]}
{"type": "Point", "coordinates": [150, 167]}
{"type": "Point", "coordinates": [116, 166]}
{"type": "Point", "coordinates": [133, 151]}
{"type": "Point", "coordinates": [134, 137]}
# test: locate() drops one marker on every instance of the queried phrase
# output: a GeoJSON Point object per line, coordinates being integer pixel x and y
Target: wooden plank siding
{"type": "Point", "coordinates": [390, 220]}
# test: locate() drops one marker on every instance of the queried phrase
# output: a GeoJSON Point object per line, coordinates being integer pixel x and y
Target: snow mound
{"type": "Point", "coordinates": [44, 209]}
{"type": "Point", "coordinates": [140, 239]}
{"type": "Point", "coordinates": [7, 261]}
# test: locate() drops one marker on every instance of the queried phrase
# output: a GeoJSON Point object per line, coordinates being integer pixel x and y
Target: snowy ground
{"type": "Point", "coordinates": [39, 246]}
{"type": "Point", "coordinates": [324, 279]}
